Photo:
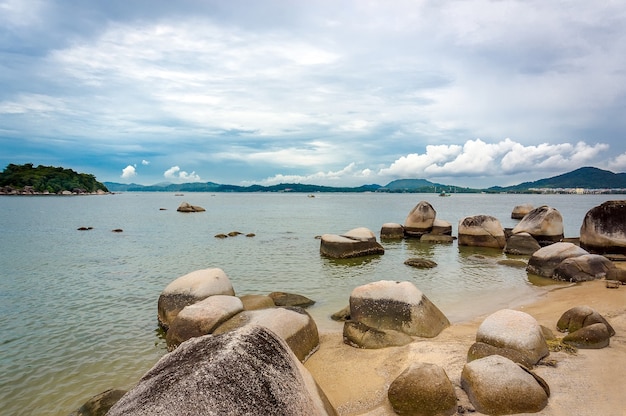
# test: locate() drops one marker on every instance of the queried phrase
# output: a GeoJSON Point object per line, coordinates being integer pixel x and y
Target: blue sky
{"type": "Point", "coordinates": [469, 93]}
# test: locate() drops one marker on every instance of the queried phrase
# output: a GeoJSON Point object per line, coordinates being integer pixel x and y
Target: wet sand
{"type": "Point", "coordinates": [591, 382]}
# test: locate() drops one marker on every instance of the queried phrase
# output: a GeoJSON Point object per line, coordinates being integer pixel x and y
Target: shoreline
{"type": "Point", "coordinates": [588, 383]}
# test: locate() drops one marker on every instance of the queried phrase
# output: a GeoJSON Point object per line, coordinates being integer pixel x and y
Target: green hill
{"type": "Point", "coordinates": [48, 179]}
{"type": "Point", "coordinates": [587, 177]}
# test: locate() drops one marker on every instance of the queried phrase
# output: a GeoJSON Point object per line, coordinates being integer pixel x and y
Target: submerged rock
{"type": "Point", "coordinates": [187, 207]}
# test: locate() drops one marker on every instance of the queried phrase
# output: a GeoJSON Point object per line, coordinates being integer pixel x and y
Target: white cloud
{"type": "Point", "coordinates": [349, 175]}
{"type": "Point", "coordinates": [174, 173]}
{"type": "Point", "coordinates": [129, 172]}
{"type": "Point", "coordinates": [145, 162]}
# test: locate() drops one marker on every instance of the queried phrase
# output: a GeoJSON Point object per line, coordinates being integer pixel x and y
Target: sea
{"type": "Point", "coordinates": [78, 309]}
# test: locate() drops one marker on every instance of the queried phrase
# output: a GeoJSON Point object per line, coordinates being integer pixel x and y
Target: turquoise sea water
{"type": "Point", "coordinates": [78, 308]}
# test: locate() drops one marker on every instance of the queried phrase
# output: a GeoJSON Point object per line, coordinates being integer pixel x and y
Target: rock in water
{"type": "Point", "coordinates": [420, 219]}
{"type": "Point", "coordinates": [355, 243]}
{"type": "Point", "coordinates": [544, 261]}
{"type": "Point", "coordinates": [604, 228]}
{"type": "Point", "coordinates": [187, 207]}
{"type": "Point", "coordinates": [250, 371]}
{"type": "Point", "coordinates": [544, 223]}
{"type": "Point", "coordinates": [481, 231]}
{"type": "Point", "coordinates": [520, 211]}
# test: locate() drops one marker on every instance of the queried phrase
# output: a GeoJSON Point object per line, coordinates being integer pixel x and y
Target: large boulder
{"type": "Point", "coordinates": [359, 335]}
{"type": "Point", "coordinates": [544, 223]}
{"type": "Point", "coordinates": [594, 336]}
{"type": "Point", "coordinates": [423, 389]}
{"type": "Point", "coordinates": [579, 317]}
{"type": "Point", "coordinates": [497, 386]}
{"type": "Point", "coordinates": [189, 289]}
{"type": "Point", "coordinates": [521, 244]}
{"type": "Point", "coordinates": [441, 227]}
{"type": "Point", "coordinates": [355, 243]}
{"type": "Point", "coordinates": [544, 261]}
{"type": "Point", "coordinates": [481, 350]}
{"type": "Point", "coordinates": [520, 211]}
{"type": "Point", "coordinates": [514, 330]}
{"type": "Point", "coordinates": [202, 318]}
{"type": "Point", "coordinates": [604, 228]}
{"type": "Point", "coordinates": [398, 306]}
{"type": "Point", "coordinates": [292, 324]}
{"type": "Point", "coordinates": [583, 268]}
{"type": "Point", "coordinates": [187, 207]}
{"type": "Point", "coordinates": [250, 371]}
{"type": "Point", "coordinates": [420, 219]}
{"type": "Point", "coordinates": [254, 302]}
{"type": "Point", "coordinates": [391, 231]}
{"type": "Point", "coordinates": [481, 231]}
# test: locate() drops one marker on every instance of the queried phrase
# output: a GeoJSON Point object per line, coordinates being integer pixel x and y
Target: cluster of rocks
{"type": "Point", "coordinates": [30, 190]}
{"type": "Point", "coordinates": [233, 234]}
{"type": "Point", "coordinates": [187, 207]}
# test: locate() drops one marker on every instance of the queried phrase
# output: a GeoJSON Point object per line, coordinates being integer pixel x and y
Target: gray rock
{"type": "Point", "coordinates": [583, 268]}
{"type": "Point", "coordinates": [246, 372]}
{"type": "Point", "coordinates": [391, 231]}
{"type": "Point", "coordinates": [399, 306]}
{"type": "Point", "coordinates": [497, 386]}
{"type": "Point", "coordinates": [202, 318]}
{"type": "Point", "coordinates": [99, 404]}
{"type": "Point", "coordinates": [604, 229]}
{"type": "Point", "coordinates": [420, 263]}
{"type": "Point", "coordinates": [544, 223]}
{"type": "Point", "coordinates": [593, 336]}
{"type": "Point", "coordinates": [481, 231]}
{"type": "Point", "coordinates": [441, 227]}
{"type": "Point", "coordinates": [290, 299]}
{"type": "Point", "coordinates": [359, 335]}
{"type": "Point", "coordinates": [514, 330]}
{"type": "Point", "coordinates": [520, 211]}
{"type": "Point", "coordinates": [355, 243]}
{"type": "Point", "coordinates": [342, 315]}
{"type": "Point", "coordinates": [187, 207]}
{"type": "Point", "coordinates": [579, 317]}
{"type": "Point", "coordinates": [544, 261]}
{"type": "Point", "coordinates": [423, 389]}
{"type": "Point", "coordinates": [292, 324]}
{"type": "Point", "coordinates": [189, 289]}
{"type": "Point", "coordinates": [420, 220]}
{"type": "Point", "coordinates": [521, 244]}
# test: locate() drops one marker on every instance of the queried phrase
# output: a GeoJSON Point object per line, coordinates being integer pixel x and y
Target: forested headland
{"type": "Point", "coordinates": [29, 180]}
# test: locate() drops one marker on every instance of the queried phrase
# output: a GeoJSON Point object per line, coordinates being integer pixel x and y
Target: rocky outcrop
{"type": "Point", "coordinates": [497, 386]}
{"type": "Point", "coordinates": [420, 220]}
{"type": "Point", "coordinates": [189, 289]}
{"type": "Point", "coordinates": [583, 268]}
{"type": "Point", "coordinates": [544, 223]}
{"type": "Point", "coordinates": [481, 231]}
{"type": "Point", "coordinates": [187, 207]}
{"type": "Point", "coordinates": [250, 371]}
{"type": "Point", "coordinates": [202, 318]}
{"type": "Point", "coordinates": [514, 330]}
{"type": "Point", "coordinates": [423, 389]}
{"type": "Point", "coordinates": [355, 243]}
{"type": "Point", "coordinates": [544, 261]}
{"type": "Point", "coordinates": [604, 229]}
{"type": "Point", "coordinates": [520, 211]}
{"type": "Point", "coordinates": [398, 306]}
{"type": "Point", "coordinates": [391, 231]}
{"type": "Point", "coordinates": [99, 404]}
{"type": "Point", "coordinates": [521, 244]}
{"type": "Point", "coordinates": [586, 328]}
{"type": "Point", "coordinates": [292, 324]}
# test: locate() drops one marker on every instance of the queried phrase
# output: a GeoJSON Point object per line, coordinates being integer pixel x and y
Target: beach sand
{"type": "Point", "coordinates": [589, 383]}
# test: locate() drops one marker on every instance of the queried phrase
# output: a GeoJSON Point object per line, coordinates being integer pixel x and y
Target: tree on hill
{"type": "Point", "coordinates": [48, 178]}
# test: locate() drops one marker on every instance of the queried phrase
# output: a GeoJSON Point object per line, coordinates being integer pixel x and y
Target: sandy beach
{"type": "Point", "coordinates": [590, 382]}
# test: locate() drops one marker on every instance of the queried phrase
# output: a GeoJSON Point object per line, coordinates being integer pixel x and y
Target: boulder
{"type": "Point", "coordinates": [187, 207]}
{"type": "Point", "coordinates": [520, 211]}
{"type": "Point", "coordinates": [579, 317]}
{"type": "Point", "coordinates": [355, 243]}
{"type": "Point", "coordinates": [544, 223]}
{"type": "Point", "coordinates": [420, 220]}
{"type": "Point", "coordinates": [359, 335]}
{"type": "Point", "coordinates": [99, 404]}
{"type": "Point", "coordinates": [521, 244]}
{"type": "Point", "coordinates": [604, 228]}
{"type": "Point", "coordinates": [391, 231]}
{"type": "Point", "coordinates": [514, 330]}
{"type": "Point", "coordinates": [290, 299]}
{"type": "Point", "coordinates": [292, 324]}
{"type": "Point", "coordinates": [617, 275]}
{"type": "Point", "coordinates": [481, 231]}
{"type": "Point", "coordinates": [593, 336]}
{"type": "Point", "coordinates": [436, 238]}
{"type": "Point", "coordinates": [189, 289]}
{"type": "Point", "coordinates": [544, 261]}
{"type": "Point", "coordinates": [497, 386]}
{"type": "Point", "coordinates": [481, 350]}
{"type": "Point", "coordinates": [420, 263]}
{"type": "Point", "coordinates": [583, 268]}
{"type": "Point", "coordinates": [399, 306]}
{"type": "Point", "coordinates": [342, 315]}
{"type": "Point", "coordinates": [201, 318]}
{"type": "Point", "coordinates": [254, 302]}
{"type": "Point", "coordinates": [423, 389]}
{"type": "Point", "coordinates": [250, 371]}
{"type": "Point", "coordinates": [441, 227]}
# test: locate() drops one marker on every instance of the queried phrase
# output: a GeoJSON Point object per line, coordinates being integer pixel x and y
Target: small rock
{"type": "Point", "coordinates": [420, 263]}
{"type": "Point", "coordinates": [290, 299]}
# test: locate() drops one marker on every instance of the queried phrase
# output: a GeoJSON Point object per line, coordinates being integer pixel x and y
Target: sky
{"type": "Point", "coordinates": [471, 93]}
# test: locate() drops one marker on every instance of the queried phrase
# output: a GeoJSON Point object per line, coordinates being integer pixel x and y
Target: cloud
{"type": "Point", "coordinates": [145, 162]}
{"type": "Point", "coordinates": [174, 173]}
{"type": "Point", "coordinates": [348, 175]}
{"type": "Point", "coordinates": [129, 172]}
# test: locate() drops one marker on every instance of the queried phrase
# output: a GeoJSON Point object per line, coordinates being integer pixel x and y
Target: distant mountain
{"type": "Point", "coordinates": [423, 186]}
{"type": "Point", "coordinates": [214, 187]}
{"type": "Point", "coordinates": [587, 177]}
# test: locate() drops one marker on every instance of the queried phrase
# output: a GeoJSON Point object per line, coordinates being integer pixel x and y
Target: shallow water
{"type": "Point", "coordinates": [78, 308]}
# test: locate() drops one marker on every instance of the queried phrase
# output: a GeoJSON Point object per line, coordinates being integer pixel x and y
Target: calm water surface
{"type": "Point", "coordinates": [78, 308]}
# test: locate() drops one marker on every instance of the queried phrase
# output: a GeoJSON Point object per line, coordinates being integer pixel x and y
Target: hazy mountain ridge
{"type": "Point", "coordinates": [586, 177]}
